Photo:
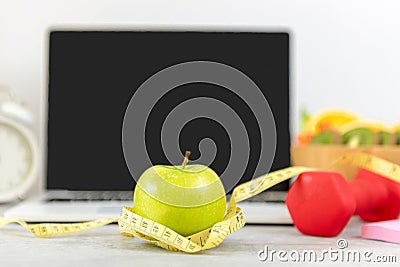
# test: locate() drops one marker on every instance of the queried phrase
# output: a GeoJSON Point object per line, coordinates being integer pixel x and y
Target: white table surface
{"type": "Point", "coordinates": [106, 247]}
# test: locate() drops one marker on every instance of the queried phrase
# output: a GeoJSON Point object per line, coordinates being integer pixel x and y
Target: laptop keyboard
{"type": "Point", "coordinates": [63, 196]}
{"type": "Point", "coordinates": [269, 196]}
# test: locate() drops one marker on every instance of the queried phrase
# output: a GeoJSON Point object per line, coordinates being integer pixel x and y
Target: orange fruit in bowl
{"type": "Point", "coordinates": [332, 119]}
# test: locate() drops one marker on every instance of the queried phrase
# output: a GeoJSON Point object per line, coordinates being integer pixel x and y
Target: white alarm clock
{"type": "Point", "coordinates": [19, 156]}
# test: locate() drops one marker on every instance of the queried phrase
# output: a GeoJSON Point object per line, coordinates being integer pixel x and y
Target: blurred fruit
{"type": "Point", "coordinates": [326, 138]}
{"type": "Point", "coordinates": [336, 126]}
{"type": "Point", "coordinates": [304, 138]}
{"type": "Point", "coordinates": [328, 120]}
{"type": "Point", "coordinates": [359, 136]}
{"type": "Point", "coordinates": [304, 118]}
{"type": "Point", "coordinates": [375, 126]}
{"type": "Point", "coordinates": [386, 138]}
{"type": "Point", "coordinates": [368, 132]}
{"type": "Point", "coordinates": [397, 134]}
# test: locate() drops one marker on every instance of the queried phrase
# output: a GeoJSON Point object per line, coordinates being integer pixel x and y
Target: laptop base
{"type": "Point", "coordinates": [70, 206]}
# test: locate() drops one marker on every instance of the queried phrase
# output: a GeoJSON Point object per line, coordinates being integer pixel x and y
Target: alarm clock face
{"type": "Point", "coordinates": [17, 159]}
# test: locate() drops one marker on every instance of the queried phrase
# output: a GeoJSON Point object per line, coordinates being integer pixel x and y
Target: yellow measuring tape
{"type": "Point", "coordinates": [131, 224]}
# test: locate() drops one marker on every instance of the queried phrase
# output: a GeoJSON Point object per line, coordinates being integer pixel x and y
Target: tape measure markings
{"type": "Point", "coordinates": [131, 224]}
{"type": "Point", "coordinates": [244, 190]}
{"type": "Point", "coordinates": [56, 229]}
{"type": "Point", "coordinates": [378, 165]}
{"type": "Point", "coordinates": [205, 239]}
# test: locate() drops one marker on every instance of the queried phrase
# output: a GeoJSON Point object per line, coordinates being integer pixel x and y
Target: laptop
{"type": "Point", "coordinates": [92, 77]}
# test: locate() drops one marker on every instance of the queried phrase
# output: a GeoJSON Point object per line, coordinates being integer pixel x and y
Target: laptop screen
{"type": "Point", "coordinates": [94, 74]}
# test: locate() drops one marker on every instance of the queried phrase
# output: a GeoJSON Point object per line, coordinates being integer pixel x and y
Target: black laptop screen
{"type": "Point", "coordinates": [93, 75]}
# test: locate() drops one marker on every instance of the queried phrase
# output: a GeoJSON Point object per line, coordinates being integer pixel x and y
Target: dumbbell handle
{"type": "Point", "coordinates": [377, 197]}
{"type": "Point", "coordinates": [369, 191]}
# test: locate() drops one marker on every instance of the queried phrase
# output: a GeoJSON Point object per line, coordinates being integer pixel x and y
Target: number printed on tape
{"type": "Point", "coordinates": [131, 224]}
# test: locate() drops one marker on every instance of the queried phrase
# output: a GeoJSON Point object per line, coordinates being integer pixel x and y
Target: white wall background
{"type": "Point", "coordinates": [346, 52]}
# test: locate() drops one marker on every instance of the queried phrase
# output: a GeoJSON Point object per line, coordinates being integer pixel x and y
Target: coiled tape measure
{"type": "Point", "coordinates": [131, 224]}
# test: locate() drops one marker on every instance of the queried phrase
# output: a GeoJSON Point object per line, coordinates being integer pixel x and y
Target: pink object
{"type": "Point", "coordinates": [385, 231]}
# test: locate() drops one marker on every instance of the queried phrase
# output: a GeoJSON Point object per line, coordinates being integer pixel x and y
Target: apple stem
{"type": "Point", "coordinates": [186, 159]}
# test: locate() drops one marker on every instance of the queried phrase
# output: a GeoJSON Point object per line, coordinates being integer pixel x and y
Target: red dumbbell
{"type": "Point", "coordinates": [321, 203]}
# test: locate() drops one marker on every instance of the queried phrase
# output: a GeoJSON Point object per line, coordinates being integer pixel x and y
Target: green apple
{"type": "Point", "coordinates": [187, 198]}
